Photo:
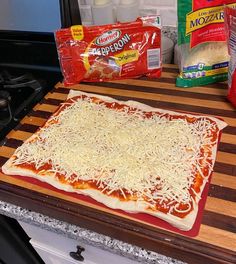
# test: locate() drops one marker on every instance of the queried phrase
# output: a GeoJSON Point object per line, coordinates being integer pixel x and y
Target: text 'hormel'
{"type": "Point", "coordinates": [114, 47]}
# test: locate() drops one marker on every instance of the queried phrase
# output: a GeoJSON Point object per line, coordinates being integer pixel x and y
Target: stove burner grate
{"type": "Point", "coordinates": [18, 94]}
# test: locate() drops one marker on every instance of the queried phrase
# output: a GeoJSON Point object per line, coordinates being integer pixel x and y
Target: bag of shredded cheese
{"type": "Point", "coordinates": [202, 41]}
{"type": "Point", "coordinates": [108, 52]}
{"type": "Point", "coordinates": [230, 23]}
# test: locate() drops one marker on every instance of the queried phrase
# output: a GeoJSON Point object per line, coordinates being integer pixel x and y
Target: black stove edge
{"type": "Point", "coordinates": [32, 67]}
{"type": "Point", "coordinates": [27, 36]}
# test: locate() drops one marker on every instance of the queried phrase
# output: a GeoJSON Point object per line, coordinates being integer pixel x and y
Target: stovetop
{"type": "Point", "coordinates": [20, 90]}
{"type": "Point", "coordinates": [29, 69]}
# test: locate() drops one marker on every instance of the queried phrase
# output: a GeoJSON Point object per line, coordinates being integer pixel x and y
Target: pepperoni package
{"type": "Point", "coordinates": [108, 52]}
{"type": "Point", "coordinates": [230, 23]}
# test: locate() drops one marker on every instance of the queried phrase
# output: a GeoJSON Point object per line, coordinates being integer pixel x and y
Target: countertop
{"type": "Point", "coordinates": [216, 241]}
{"type": "Point", "coordinates": [84, 235]}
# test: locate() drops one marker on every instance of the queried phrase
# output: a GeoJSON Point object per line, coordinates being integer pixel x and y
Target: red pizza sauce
{"type": "Point", "coordinates": [159, 205]}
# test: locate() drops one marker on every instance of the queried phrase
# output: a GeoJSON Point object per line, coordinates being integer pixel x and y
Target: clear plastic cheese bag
{"type": "Point", "coordinates": [202, 42]}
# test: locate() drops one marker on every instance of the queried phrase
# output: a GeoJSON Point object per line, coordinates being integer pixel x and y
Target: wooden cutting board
{"type": "Point", "coordinates": [216, 241]}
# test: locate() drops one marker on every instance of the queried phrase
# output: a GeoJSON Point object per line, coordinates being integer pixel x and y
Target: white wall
{"type": "Point", "coordinates": [166, 8]}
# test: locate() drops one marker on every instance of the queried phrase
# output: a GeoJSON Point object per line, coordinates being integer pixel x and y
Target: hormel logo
{"type": "Point", "coordinates": [108, 37]}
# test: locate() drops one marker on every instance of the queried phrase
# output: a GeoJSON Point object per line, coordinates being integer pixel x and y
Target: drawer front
{"type": "Point", "coordinates": [50, 256]}
{"type": "Point", "coordinates": [45, 237]}
{"type": "Point", "coordinates": [49, 244]}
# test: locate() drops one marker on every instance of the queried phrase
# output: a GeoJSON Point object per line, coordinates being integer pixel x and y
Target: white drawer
{"type": "Point", "coordinates": [49, 244]}
{"type": "Point", "coordinates": [50, 256]}
{"type": "Point", "coordinates": [45, 237]}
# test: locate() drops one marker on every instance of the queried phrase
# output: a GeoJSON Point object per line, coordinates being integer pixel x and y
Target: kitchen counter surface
{"type": "Point", "coordinates": [216, 241]}
{"type": "Point", "coordinates": [84, 235]}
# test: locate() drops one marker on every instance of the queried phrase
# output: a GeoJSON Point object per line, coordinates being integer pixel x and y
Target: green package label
{"type": "Point", "coordinates": [202, 42]}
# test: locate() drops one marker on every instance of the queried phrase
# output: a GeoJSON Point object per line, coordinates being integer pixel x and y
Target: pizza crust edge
{"type": "Point", "coordinates": [184, 224]}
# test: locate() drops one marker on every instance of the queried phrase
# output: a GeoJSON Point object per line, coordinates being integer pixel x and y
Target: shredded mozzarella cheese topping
{"type": "Point", "coordinates": [156, 158]}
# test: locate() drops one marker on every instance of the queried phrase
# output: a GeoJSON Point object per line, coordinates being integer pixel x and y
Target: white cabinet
{"type": "Point", "coordinates": [55, 249]}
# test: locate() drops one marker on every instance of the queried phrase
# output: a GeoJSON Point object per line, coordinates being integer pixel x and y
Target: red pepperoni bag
{"type": "Point", "coordinates": [101, 53]}
{"type": "Point", "coordinates": [230, 23]}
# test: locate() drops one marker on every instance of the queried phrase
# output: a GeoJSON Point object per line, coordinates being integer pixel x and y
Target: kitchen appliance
{"type": "Point", "coordinates": [29, 68]}
{"type": "Point", "coordinates": [20, 90]}
{"type": "Point", "coordinates": [15, 246]}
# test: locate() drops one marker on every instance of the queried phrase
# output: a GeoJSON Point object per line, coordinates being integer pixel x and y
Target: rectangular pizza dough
{"type": "Point", "coordinates": [125, 155]}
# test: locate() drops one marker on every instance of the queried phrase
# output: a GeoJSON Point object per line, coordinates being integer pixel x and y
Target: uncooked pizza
{"type": "Point", "coordinates": [125, 155]}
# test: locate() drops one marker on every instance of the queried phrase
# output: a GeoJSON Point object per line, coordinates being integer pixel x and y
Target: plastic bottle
{"type": "Point", "coordinates": [127, 10]}
{"type": "Point", "coordinates": [102, 12]}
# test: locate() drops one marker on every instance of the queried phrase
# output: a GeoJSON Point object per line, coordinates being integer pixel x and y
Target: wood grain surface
{"type": "Point", "coordinates": [216, 242]}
